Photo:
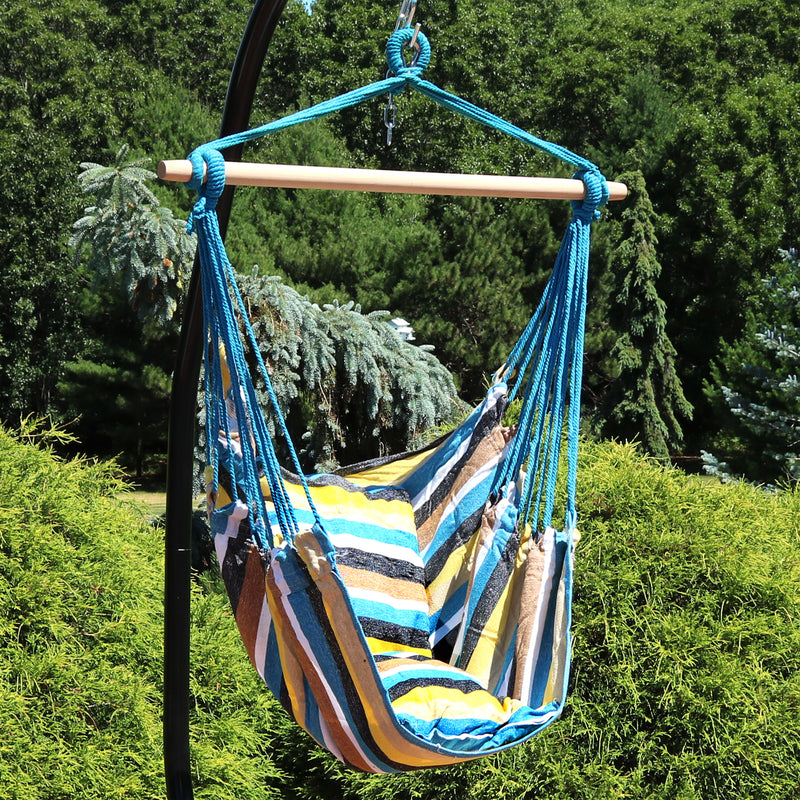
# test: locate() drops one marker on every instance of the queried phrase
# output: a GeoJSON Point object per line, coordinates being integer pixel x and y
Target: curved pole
{"type": "Point", "coordinates": [181, 438]}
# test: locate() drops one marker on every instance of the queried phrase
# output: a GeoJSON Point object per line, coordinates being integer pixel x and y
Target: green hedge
{"type": "Point", "coordinates": [686, 675]}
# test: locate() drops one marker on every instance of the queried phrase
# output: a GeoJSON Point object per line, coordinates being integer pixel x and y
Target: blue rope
{"type": "Point", "coordinates": [552, 340]}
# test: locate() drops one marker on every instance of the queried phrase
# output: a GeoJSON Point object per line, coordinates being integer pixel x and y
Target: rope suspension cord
{"type": "Point", "coordinates": [553, 339]}
{"type": "Point", "coordinates": [311, 177]}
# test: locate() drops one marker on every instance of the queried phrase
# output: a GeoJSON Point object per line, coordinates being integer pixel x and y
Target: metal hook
{"type": "Point", "coordinates": [413, 42]}
{"type": "Point", "coordinates": [390, 119]}
{"type": "Point", "coordinates": [406, 14]}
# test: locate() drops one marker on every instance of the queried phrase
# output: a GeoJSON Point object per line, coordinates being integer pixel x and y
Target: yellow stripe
{"type": "Point", "coordinates": [437, 702]}
{"type": "Point", "coordinates": [223, 498]}
{"type": "Point", "coordinates": [454, 574]}
{"type": "Point", "coordinates": [334, 502]}
{"type": "Point", "coordinates": [382, 646]}
{"type": "Point", "coordinates": [391, 474]}
{"type": "Point", "coordinates": [226, 373]}
{"type": "Point", "coordinates": [487, 658]}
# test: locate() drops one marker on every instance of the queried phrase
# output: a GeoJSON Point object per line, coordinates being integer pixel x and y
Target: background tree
{"type": "Point", "coordinates": [349, 385]}
{"type": "Point", "coordinates": [708, 89]}
{"type": "Point", "coordinates": [645, 398]}
{"type": "Point", "coordinates": [755, 383]}
{"type": "Point", "coordinates": [133, 243]}
{"type": "Point", "coordinates": [137, 256]}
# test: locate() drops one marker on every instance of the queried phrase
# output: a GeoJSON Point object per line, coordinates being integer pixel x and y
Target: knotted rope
{"type": "Point", "coordinates": [546, 362]}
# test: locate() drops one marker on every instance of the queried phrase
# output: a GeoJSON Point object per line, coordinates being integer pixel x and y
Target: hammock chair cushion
{"type": "Point", "coordinates": [341, 624]}
{"type": "Point", "coordinates": [412, 612]}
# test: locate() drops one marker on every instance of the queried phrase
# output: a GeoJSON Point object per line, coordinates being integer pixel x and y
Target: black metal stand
{"type": "Point", "coordinates": [182, 434]}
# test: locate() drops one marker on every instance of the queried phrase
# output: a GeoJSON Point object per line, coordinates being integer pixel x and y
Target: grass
{"type": "Point", "coordinates": [154, 504]}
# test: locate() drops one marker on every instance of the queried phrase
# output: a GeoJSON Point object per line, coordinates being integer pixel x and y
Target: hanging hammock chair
{"type": "Point", "coordinates": [411, 611]}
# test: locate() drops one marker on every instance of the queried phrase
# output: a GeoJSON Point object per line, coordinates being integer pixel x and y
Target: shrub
{"type": "Point", "coordinates": [81, 609]}
{"type": "Point", "coordinates": [685, 684]}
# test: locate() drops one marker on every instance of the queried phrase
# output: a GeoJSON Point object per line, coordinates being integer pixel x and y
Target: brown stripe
{"type": "Point", "coordinates": [372, 581]}
{"type": "Point", "coordinates": [489, 449]}
{"type": "Point", "coordinates": [251, 602]}
{"type": "Point", "coordinates": [534, 570]}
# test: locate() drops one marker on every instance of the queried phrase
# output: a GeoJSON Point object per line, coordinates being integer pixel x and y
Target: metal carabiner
{"type": "Point", "coordinates": [406, 14]}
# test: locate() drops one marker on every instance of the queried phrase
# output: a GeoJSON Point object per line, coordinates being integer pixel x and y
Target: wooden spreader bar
{"type": "Point", "coordinates": [289, 176]}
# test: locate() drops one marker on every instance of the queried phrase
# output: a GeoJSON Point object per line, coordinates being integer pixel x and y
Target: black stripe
{"type": "Point", "coordinates": [380, 564]}
{"type": "Point", "coordinates": [284, 698]}
{"type": "Point", "coordinates": [465, 685]}
{"type": "Point", "coordinates": [443, 649]}
{"type": "Point", "coordinates": [234, 567]}
{"type": "Point", "coordinates": [332, 479]}
{"type": "Point", "coordinates": [397, 634]}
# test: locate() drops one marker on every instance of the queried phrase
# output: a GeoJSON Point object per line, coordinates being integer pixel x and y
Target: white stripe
{"type": "Point", "coordinates": [262, 635]}
{"type": "Point", "coordinates": [221, 546]}
{"type": "Point", "coordinates": [327, 739]}
{"type": "Point", "coordinates": [448, 625]}
{"type": "Point", "coordinates": [396, 551]}
{"type": "Point", "coordinates": [372, 596]}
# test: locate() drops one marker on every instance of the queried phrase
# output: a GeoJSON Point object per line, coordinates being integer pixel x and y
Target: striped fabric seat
{"type": "Point", "coordinates": [421, 627]}
{"type": "Point", "coordinates": [413, 611]}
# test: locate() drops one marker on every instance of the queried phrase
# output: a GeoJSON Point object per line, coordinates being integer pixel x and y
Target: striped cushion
{"type": "Point", "coordinates": [449, 709]}
{"type": "Point", "coordinates": [377, 556]}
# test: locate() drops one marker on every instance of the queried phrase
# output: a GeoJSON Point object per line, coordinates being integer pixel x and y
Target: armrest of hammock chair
{"type": "Point", "coordinates": [291, 176]}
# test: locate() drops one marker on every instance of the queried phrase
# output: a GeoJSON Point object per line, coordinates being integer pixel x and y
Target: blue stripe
{"type": "Point", "coordinates": [543, 663]}
{"type": "Point", "coordinates": [363, 530]}
{"type": "Point", "coordinates": [468, 504]}
{"type": "Point", "coordinates": [408, 618]}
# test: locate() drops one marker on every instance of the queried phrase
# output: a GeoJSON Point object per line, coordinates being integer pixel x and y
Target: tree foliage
{"type": "Point", "coordinates": [132, 241]}
{"type": "Point", "coordinates": [645, 398]}
{"type": "Point", "coordinates": [708, 92]}
{"type": "Point", "coordinates": [755, 381]}
{"type": "Point", "coordinates": [349, 385]}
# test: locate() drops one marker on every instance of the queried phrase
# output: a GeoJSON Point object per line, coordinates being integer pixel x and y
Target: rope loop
{"type": "Point", "coordinates": [596, 195]}
{"type": "Point", "coordinates": [209, 164]}
{"type": "Point", "coordinates": [394, 55]}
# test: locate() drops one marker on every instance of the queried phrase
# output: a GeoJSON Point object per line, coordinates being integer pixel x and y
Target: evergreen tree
{"type": "Point", "coordinates": [645, 397]}
{"type": "Point", "coordinates": [349, 386]}
{"type": "Point", "coordinates": [754, 385]}
{"type": "Point", "coordinates": [132, 240]}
